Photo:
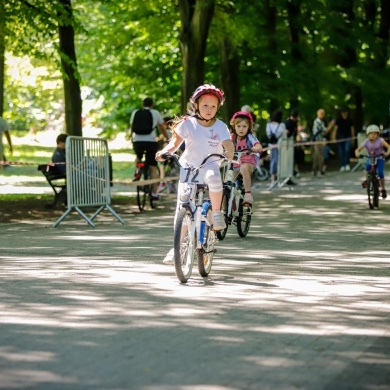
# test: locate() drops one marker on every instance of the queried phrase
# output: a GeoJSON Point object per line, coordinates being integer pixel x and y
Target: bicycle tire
{"type": "Point", "coordinates": [376, 192]}
{"type": "Point", "coordinates": [244, 219]}
{"type": "Point", "coordinates": [260, 174]}
{"type": "Point", "coordinates": [370, 192]}
{"type": "Point", "coordinates": [151, 200]}
{"type": "Point", "coordinates": [221, 234]}
{"type": "Point", "coordinates": [184, 245]}
{"type": "Point", "coordinates": [206, 253]}
{"type": "Point", "coordinates": [141, 197]}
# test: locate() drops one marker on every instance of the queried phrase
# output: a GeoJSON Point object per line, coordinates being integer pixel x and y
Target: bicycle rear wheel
{"type": "Point", "coordinates": [151, 201]}
{"type": "Point", "coordinates": [376, 192]}
{"type": "Point", "coordinates": [221, 234]}
{"type": "Point", "coordinates": [141, 197]}
{"type": "Point", "coordinates": [244, 219]}
{"type": "Point", "coordinates": [184, 245]}
{"type": "Point", "coordinates": [206, 253]}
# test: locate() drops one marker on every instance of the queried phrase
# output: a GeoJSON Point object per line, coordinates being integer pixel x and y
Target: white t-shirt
{"type": "Point", "coordinates": [201, 141]}
{"type": "Point", "coordinates": [157, 120]}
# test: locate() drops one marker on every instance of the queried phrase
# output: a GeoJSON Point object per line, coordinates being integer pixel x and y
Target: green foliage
{"type": "Point", "coordinates": [129, 50]}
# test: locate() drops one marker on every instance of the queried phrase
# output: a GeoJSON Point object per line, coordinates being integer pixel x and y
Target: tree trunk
{"type": "Point", "coordinates": [381, 55]}
{"type": "Point", "coordinates": [72, 93]}
{"type": "Point", "coordinates": [196, 17]}
{"type": "Point", "coordinates": [2, 54]}
{"type": "Point", "coordinates": [294, 18]}
{"type": "Point", "coordinates": [230, 82]}
{"type": "Point", "coordinates": [270, 17]}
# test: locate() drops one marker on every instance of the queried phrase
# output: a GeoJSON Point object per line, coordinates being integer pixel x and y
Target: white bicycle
{"type": "Point", "coordinates": [193, 232]}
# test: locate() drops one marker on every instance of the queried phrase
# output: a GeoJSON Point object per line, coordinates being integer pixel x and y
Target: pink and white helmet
{"type": "Point", "coordinates": [242, 114]}
{"type": "Point", "coordinates": [207, 89]}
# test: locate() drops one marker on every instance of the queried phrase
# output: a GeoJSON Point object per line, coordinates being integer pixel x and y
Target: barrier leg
{"type": "Point", "coordinates": [63, 216]}
{"type": "Point", "coordinates": [84, 216]}
{"type": "Point", "coordinates": [115, 214]}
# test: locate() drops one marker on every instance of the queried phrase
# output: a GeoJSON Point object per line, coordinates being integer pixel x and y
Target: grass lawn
{"type": "Point", "coordinates": [37, 153]}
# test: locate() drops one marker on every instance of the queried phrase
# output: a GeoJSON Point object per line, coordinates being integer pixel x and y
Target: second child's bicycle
{"type": "Point", "coordinates": [373, 183]}
{"type": "Point", "coordinates": [235, 210]}
{"type": "Point", "coordinates": [194, 234]}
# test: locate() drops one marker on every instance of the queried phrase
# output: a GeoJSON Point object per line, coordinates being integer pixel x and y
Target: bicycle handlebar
{"type": "Point", "coordinates": [175, 157]}
{"type": "Point", "coordinates": [371, 156]}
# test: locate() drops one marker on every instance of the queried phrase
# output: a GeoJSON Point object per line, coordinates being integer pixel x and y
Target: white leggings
{"type": "Point", "coordinates": [212, 178]}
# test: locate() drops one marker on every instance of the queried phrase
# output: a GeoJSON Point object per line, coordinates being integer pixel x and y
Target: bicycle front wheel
{"type": "Point", "coordinates": [184, 245]}
{"type": "Point", "coordinates": [141, 197]}
{"type": "Point", "coordinates": [244, 219]}
{"type": "Point", "coordinates": [372, 192]}
{"type": "Point", "coordinates": [151, 201]}
{"type": "Point", "coordinates": [206, 253]}
{"type": "Point", "coordinates": [221, 234]}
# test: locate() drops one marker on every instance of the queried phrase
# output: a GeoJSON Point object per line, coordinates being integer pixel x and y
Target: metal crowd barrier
{"type": "Point", "coordinates": [362, 160]}
{"type": "Point", "coordinates": [87, 177]}
{"type": "Point", "coordinates": [285, 162]}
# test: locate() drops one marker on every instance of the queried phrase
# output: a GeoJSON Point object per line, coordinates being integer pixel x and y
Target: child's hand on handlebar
{"type": "Point", "coordinates": [161, 156]}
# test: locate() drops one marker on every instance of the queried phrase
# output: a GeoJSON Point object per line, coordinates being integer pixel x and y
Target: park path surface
{"type": "Point", "coordinates": [301, 303]}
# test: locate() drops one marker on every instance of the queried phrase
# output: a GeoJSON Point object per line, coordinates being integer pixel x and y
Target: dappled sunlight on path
{"type": "Point", "coordinates": [301, 302]}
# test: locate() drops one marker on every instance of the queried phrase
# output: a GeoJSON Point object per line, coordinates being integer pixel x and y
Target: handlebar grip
{"type": "Point", "coordinates": [166, 156]}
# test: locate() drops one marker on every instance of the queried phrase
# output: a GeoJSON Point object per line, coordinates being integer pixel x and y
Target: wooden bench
{"type": "Point", "coordinates": [57, 182]}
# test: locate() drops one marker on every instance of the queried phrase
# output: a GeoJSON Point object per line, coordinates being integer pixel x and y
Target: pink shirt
{"type": "Point", "coordinates": [374, 148]}
{"type": "Point", "coordinates": [243, 144]}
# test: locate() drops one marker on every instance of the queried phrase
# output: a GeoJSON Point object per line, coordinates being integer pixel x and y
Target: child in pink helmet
{"type": "Point", "coordinates": [243, 138]}
{"type": "Point", "coordinates": [203, 134]}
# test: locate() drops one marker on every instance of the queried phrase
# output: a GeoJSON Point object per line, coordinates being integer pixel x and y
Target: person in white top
{"type": "Point", "coordinates": [203, 134]}
{"type": "Point", "coordinates": [275, 130]}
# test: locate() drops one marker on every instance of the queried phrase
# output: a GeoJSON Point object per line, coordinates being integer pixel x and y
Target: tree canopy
{"type": "Point", "coordinates": [301, 54]}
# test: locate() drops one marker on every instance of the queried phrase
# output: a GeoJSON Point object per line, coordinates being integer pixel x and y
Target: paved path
{"type": "Point", "coordinates": [301, 303]}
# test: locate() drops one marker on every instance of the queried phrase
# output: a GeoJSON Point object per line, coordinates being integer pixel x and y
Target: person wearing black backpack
{"type": "Point", "coordinates": [143, 126]}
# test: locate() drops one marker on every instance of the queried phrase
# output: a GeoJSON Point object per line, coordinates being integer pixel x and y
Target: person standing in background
{"type": "Point", "coordinates": [4, 129]}
{"type": "Point", "coordinates": [318, 137]}
{"type": "Point", "coordinates": [275, 129]}
{"type": "Point", "coordinates": [345, 133]}
{"type": "Point", "coordinates": [292, 129]}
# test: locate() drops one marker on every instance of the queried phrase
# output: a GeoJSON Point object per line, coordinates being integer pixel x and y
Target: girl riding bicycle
{"type": "Point", "coordinates": [375, 146]}
{"type": "Point", "coordinates": [243, 138]}
{"type": "Point", "coordinates": [203, 134]}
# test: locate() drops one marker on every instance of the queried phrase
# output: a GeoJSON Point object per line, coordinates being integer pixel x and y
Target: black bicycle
{"type": "Point", "coordinates": [373, 182]}
{"type": "Point", "coordinates": [144, 190]}
{"type": "Point", "coordinates": [235, 210]}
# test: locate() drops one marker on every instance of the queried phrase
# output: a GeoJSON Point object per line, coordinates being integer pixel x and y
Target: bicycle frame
{"type": "Point", "coordinates": [193, 226]}
{"type": "Point", "coordinates": [235, 211]}
{"type": "Point", "coordinates": [193, 200]}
